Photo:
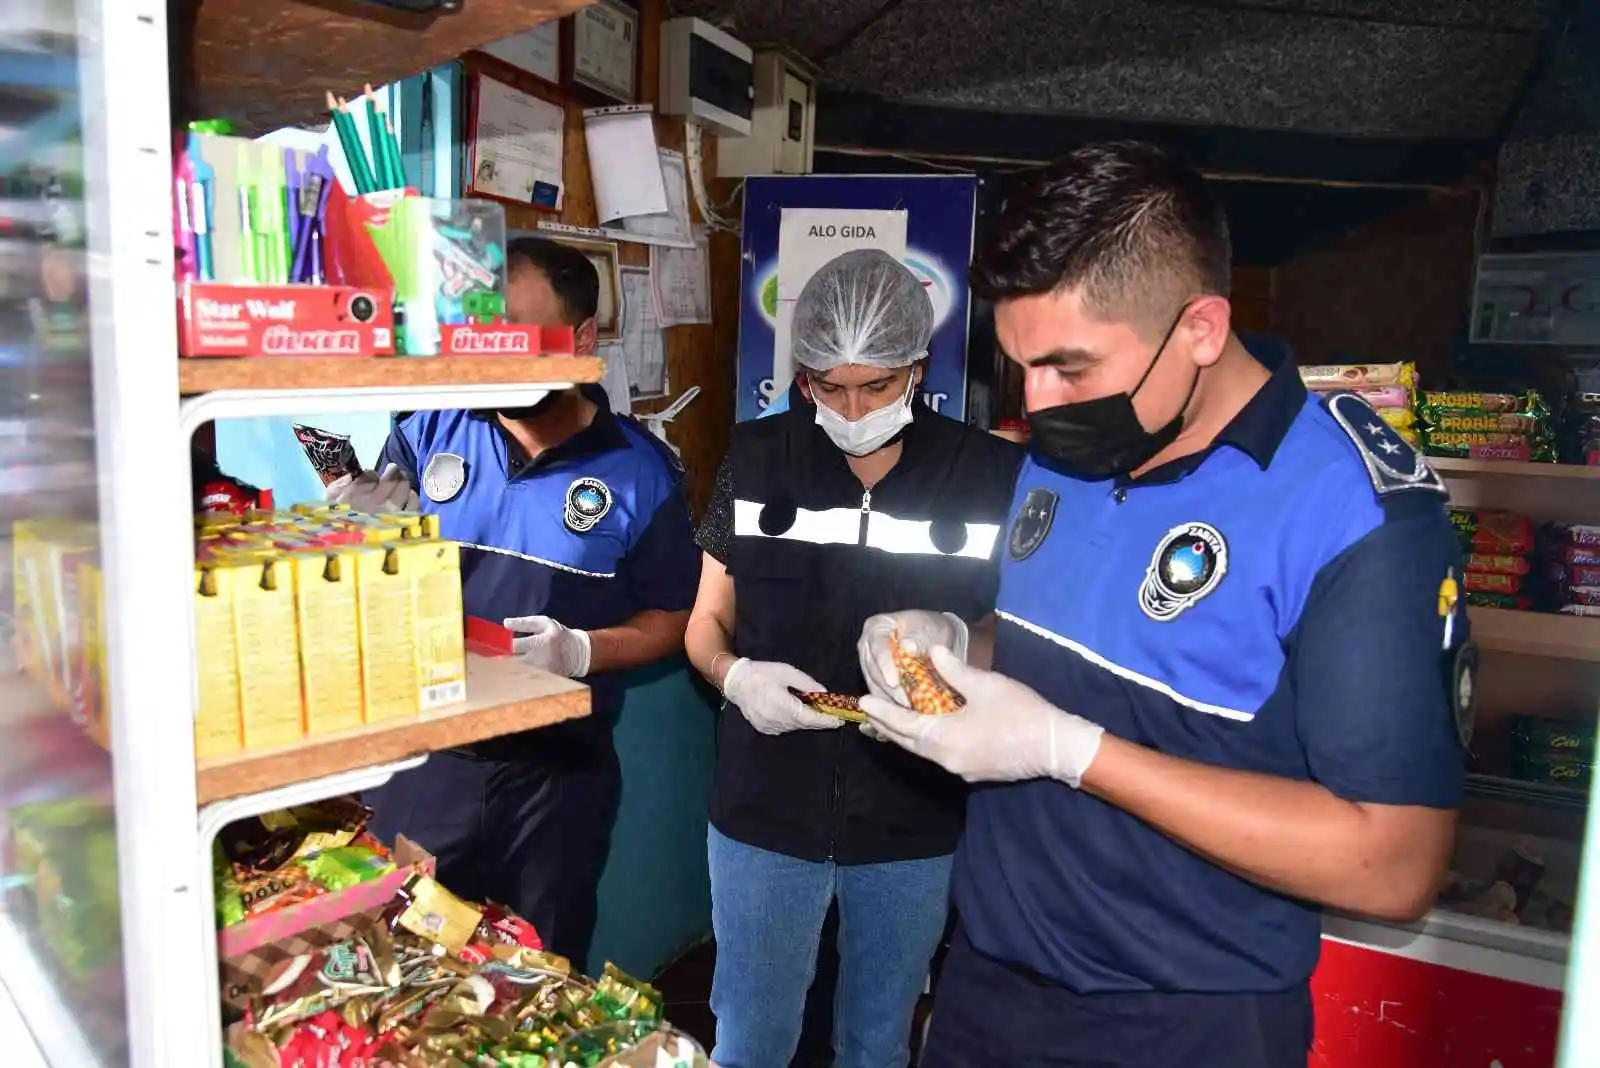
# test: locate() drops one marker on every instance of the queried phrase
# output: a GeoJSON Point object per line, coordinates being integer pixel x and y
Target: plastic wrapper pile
{"type": "Point", "coordinates": [1510, 426]}
{"type": "Point", "coordinates": [425, 981]}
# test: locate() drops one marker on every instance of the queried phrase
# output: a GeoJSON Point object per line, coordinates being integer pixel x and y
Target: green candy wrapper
{"type": "Point", "coordinates": [347, 866]}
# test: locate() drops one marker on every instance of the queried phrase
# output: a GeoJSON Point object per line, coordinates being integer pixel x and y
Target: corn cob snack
{"type": "Point", "coordinates": [840, 705]}
{"type": "Point", "coordinates": [924, 689]}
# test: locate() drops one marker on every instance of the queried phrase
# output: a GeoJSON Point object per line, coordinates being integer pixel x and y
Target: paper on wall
{"type": "Point", "coordinates": [809, 238]}
{"type": "Point", "coordinates": [517, 146]}
{"type": "Point", "coordinates": [537, 51]}
{"type": "Point", "coordinates": [624, 162]}
{"type": "Point", "coordinates": [680, 285]}
{"type": "Point", "coordinates": [615, 382]}
{"type": "Point", "coordinates": [674, 226]}
{"type": "Point", "coordinates": [642, 345]}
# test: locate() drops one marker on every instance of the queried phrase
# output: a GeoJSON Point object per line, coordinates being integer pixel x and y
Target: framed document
{"type": "Point", "coordinates": [537, 51]}
{"type": "Point", "coordinates": [608, 265]}
{"type": "Point", "coordinates": [603, 50]}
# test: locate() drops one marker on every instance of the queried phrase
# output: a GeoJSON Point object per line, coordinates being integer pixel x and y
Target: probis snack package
{"type": "Point", "coordinates": [331, 455]}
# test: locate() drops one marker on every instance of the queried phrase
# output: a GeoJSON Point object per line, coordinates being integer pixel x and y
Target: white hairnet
{"type": "Point", "coordinates": [861, 307]}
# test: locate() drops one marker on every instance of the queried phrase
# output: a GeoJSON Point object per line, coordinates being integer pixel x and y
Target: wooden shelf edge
{"type": "Point", "coordinates": [207, 374]}
{"type": "Point", "coordinates": [269, 63]}
{"type": "Point", "coordinates": [1546, 634]}
{"type": "Point", "coordinates": [504, 696]}
{"type": "Point", "coordinates": [1450, 465]}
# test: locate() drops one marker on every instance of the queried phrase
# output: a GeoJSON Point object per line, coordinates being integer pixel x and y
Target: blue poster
{"type": "Point", "coordinates": [940, 211]}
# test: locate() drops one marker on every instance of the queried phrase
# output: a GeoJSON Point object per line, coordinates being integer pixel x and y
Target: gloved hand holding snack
{"type": "Point", "coordinates": [368, 492]}
{"type": "Point", "coordinates": [762, 690]}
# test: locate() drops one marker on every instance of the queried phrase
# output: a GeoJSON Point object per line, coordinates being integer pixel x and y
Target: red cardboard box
{"type": "Point", "coordinates": [228, 320]}
{"type": "Point", "coordinates": [505, 339]}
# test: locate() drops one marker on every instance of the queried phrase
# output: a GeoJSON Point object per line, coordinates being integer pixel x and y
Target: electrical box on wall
{"type": "Point", "coordinates": [706, 77]}
{"type": "Point", "coordinates": [781, 130]}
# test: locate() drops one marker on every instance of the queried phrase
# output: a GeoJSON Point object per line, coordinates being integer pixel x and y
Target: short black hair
{"type": "Point", "coordinates": [570, 273]}
{"type": "Point", "coordinates": [1132, 225]}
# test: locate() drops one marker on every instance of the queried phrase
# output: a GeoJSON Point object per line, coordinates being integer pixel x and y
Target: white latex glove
{"type": "Point", "coordinates": [1005, 733]}
{"type": "Point", "coordinates": [919, 631]}
{"type": "Point", "coordinates": [368, 492]}
{"type": "Point", "coordinates": [549, 645]}
{"type": "Point", "coordinates": [760, 688]}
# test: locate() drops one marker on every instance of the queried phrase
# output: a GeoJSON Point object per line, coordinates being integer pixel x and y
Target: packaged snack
{"type": "Point", "coordinates": [1489, 531]}
{"type": "Point", "coordinates": [346, 866]}
{"type": "Point", "coordinates": [1580, 610]}
{"type": "Point", "coordinates": [1498, 564]}
{"type": "Point", "coordinates": [502, 928]}
{"type": "Point", "coordinates": [1492, 582]}
{"type": "Point", "coordinates": [332, 456]}
{"type": "Point", "coordinates": [1579, 534]}
{"type": "Point", "coordinates": [1547, 767]}
{"type": "Point", "coordinates": [924, 689]}
{"type": "Point", "coordinates": [1499, 600]}
{"type": "Point", "coordinates": [1323, 377]}
{"type": "Point", "coordinates": [1578, 554]}
{"type": "Point", "coordinates": [1384, 398]}
{"type": "Point", "coordinates": [272, 890]}
{"type": "Point", "coordinates": [274, 838]}
{"type": "Point", "coordinates": [1399, 418]}
{"type": "Point", "coordinates": [1432, 401]}
{"type": "Point", "coordinates": [1578, 575]}
{"type": "Point", "coordinates": [841, 705]}
{"type": "Point", "coordinates": [1572, 740]}
{"type": "Point", "coordinates": [1581, 595]}
{"type": "Point", "coordinates": [1460, 443]}
{"type": "Point", "coordinates": [434, 913]}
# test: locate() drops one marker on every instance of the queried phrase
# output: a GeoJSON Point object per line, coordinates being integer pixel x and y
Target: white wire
{"type": "Point", "coordinates": [695, 158]}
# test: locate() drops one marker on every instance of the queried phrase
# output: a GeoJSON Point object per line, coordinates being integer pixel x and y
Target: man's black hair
{"type": "Point", "coordinates": [1130, 225]}
{"type": "Point", "coordinates": [571, 274]}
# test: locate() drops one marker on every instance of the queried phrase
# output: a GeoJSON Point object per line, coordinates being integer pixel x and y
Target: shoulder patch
{"type": "Point", "coordinates": [1392, 464]}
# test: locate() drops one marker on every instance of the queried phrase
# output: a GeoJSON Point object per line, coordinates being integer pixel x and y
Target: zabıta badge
{"type": "Point", "coordinates": [1188, 563]}
{"type": "Point", "coordinates": [588, 501]}
{"type": "Point", "coordinates": [444, 476]}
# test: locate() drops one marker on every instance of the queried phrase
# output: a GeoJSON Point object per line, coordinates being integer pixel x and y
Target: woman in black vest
{"type": "Point", "coordinates": [847, 506]}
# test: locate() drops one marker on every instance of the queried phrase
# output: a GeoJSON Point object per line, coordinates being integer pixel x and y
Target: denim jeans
{"type": "Point", "coordinates": [767, 911]}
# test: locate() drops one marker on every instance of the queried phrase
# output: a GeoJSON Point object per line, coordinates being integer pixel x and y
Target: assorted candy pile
{"type": "Point", "coordinates": [291, 856]}
{"type": "Point", "coordinates": [425, 981]}
{"type": "Point", "coordinates": [1512, 562]}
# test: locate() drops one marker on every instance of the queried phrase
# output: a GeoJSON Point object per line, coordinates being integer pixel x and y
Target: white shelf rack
{"type": "Point", "coordinates": [144, 428]}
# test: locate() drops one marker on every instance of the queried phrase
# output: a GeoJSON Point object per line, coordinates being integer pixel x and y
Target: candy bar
{"type": "Point", "coordinates": [841, 705]}
{"type": "Point", "coordinates": [1489, 531]}
{"type": "Point", "coordinates": [1498, 600]}
{"type": "Point", "coordinates": [1498, 564]}
{"type": "Point", "coordinates": [1492, 582]}
{"type": "Point", "coordinates": [332, 456]}
{"type": "Point", "coordinates": [1437, 400]}
{"type": "Point", "coordinates": [1460, 443]}
{"type": "Point", "coordinates": [1386, 398]}
{"type": "Point", "coordinates": [1399, 418]}
{"type": "Point", "coordinates": [924, 689]}
{"type": "Point", "coordinates": [1323, 377]}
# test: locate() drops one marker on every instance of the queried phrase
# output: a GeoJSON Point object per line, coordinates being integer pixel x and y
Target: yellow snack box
{"type": "Point", "coordinates": [270, 706]}
{"type": "Point", "coordinates": [330, 650]}
{"type": "Point", "coordinates": [46, 555]}
{"type": "Point", "coordinates": [434, 567]}
{"type": "Point", "coordinates": [217, 726]}
{"type": "Point", "coordinates": [384, 617]}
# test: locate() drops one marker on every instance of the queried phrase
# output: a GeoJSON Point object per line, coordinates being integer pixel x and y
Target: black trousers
{"type": "Point", "coordinates": [530, 834]}
{"type": "Point", "coordinates": [987, 1013]}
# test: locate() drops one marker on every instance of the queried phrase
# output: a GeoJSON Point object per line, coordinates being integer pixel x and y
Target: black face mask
{"type": "Point", "coordinates": [1103, 437]}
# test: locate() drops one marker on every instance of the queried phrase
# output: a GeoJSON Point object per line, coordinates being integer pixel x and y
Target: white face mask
{"type": "Point", "coordinates": [873, 430]}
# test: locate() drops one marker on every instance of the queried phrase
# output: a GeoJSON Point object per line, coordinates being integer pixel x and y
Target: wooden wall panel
{"type": "Point", "coordinates": [696, 355]}
{"type": "Point", "coordinates": [1396, 289]}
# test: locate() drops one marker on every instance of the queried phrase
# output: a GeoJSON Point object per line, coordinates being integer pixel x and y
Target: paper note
{"type": "Point", "coordinates": [642, 344]}
{"type": "Point", "coordinates": [624, 163]}
{"type": "Point", "coordinates": [537, 51]}
{"type": "Point", "coordinates": [615, 382]}
{"type": "Point", "coordinates": [810, 237]}
{"type": "Point", "coordinates": [672, 227]}
{"type": "Point", "coordinates": [680, 283]}
{"type": "Point", "coordinates": [517, 146]}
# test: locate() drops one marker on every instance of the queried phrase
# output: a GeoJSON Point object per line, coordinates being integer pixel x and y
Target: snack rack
{"type": "Point", "coordinates": [146, 408]}
{"type": "Point", "coordinates": [1495, 992]}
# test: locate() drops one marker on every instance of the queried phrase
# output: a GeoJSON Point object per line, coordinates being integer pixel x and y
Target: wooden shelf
{"type": "Point", "coordinates": [1449, 466]}
{"type": "Point", "coordinates": [270, 63]}
{"type": "Point", "coordinates": [205, 374]}
{"type": "Point", "coordinates": [1539, 795]}
{"type": "Point", "coordinates": [504, 696]}
{"type": "Point", "coordinates": [1536, 633]}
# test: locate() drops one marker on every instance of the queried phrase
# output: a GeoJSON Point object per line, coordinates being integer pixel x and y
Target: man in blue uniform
{"type": "Point", "coordinates": [574, 532]}
{"type": "Point", "coordinates": [1231, 677]}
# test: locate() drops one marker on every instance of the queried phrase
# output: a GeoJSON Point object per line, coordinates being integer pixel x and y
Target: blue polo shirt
{"type": "Point", "coordinates": [590, 532]}
{"type": "Point", "coordinates": [1283, 603]}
